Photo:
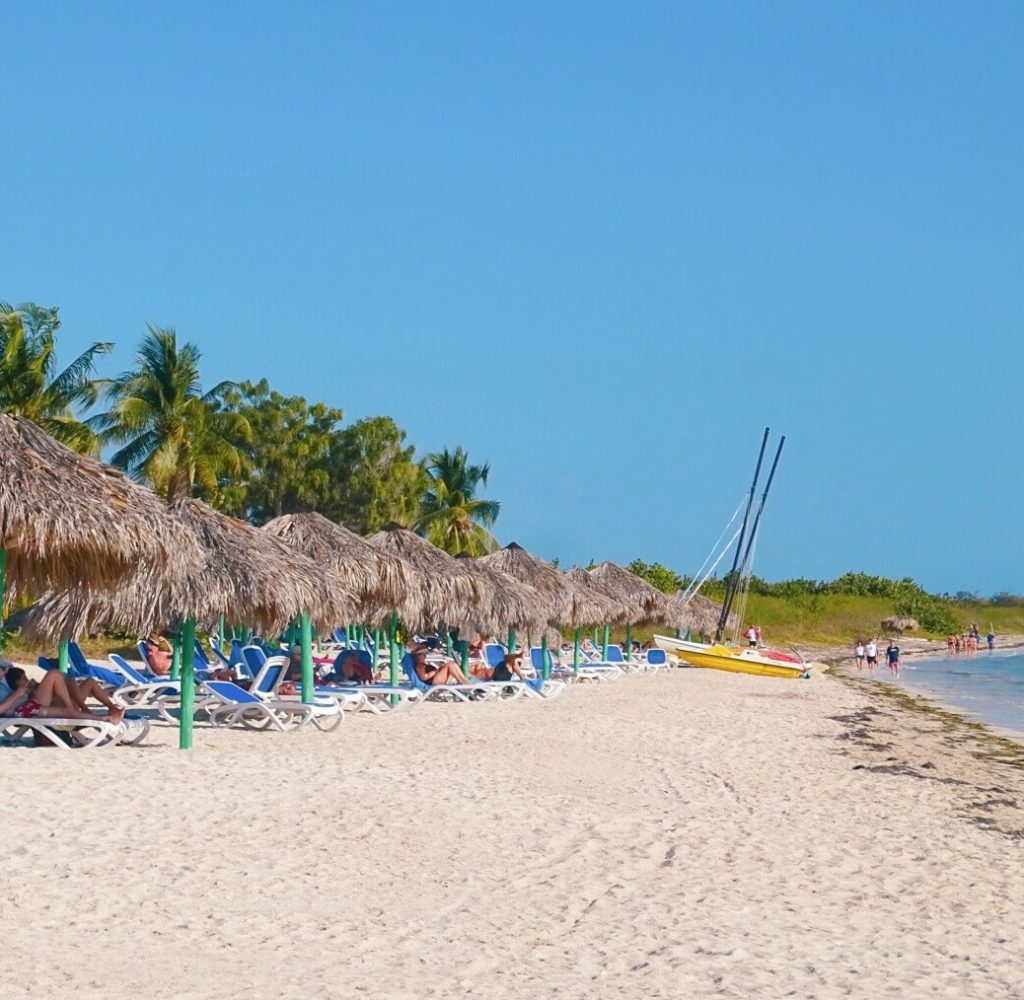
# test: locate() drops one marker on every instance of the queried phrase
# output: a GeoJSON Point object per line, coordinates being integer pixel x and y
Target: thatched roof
{"type": "Point", "coordinates": [449, 592]}
{"type": "Point", "coordinates": [592, 604]}
{"type": "Point", "coordinates": [554, 588]}
{"type": "Point", "coordinates": [697, 613]}
{"type": "Point", "coordinates": [247, 575]}
{"type": "Point", "coordinates": [637, 600]}
{"type": "Point", "coordinates": [69, 520]}
{"type": "Point", "coordinates": [512, 602]}
{"type": "Point", "coordinates": [382, 582]}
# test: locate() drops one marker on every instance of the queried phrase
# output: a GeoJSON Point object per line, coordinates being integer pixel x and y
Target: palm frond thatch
{"type": "Point", "coordinates": [382, 582]}
{"type": "Point", "coordinates": [637, 600]}
{"type": "Point", "coordinates": [513, 603]}
{"type": "Point", "coordinates": [247, 575]}
{"type": "Point", "coordinates": [449, 592]}
{"type": "Point", "coordinates": [697, 613]}
{"type": "Point", "coordinates": [554, 588]}
{"type": "Point", "coordinates": [592, 604]}
{"type": "Point", "coordinates": [69, 520]}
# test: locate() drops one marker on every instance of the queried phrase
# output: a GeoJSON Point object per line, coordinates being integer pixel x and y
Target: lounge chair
{"type": "Point", "coordinates": [73, 734]}
{"type": "Point", "coordinates": [229, 704]}
{"type": "Point", "coordinates": [478, 690]}
{"type": "Point", "coordinates": [590, 671]}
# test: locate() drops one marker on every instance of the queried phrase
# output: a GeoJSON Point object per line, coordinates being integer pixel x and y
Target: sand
{"type": "Point", "coordinates": [692, 834]}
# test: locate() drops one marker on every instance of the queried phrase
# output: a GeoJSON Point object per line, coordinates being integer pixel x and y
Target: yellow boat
{"type": "Point", "coordinates": [740, 661]}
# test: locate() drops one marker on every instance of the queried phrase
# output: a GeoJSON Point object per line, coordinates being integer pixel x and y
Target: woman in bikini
{"type": "Point", "coordinates": [55, 697]}
{"type": "Point", "coordinates": [436, 674]}
{"type": "Point", "coordinates": [510, 667]}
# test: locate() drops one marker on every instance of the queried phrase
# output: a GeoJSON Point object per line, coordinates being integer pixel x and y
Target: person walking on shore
{"type": "Point", "coordinates": [892, 654]}
{"type": "Point", "coordinates": [871, 651]}
{"type": "Point", "coordinates": [991, 641]}
{"type": "Point", "coordinates": [751, 635]}
{"type": "Point", "coordinates": [858, 654]}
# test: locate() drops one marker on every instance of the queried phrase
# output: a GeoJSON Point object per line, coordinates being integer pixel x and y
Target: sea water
{"type": "Point", "coordinates": [989, 686]}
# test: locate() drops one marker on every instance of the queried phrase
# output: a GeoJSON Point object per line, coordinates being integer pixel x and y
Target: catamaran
{"type": "Point", "coordinates": [733, 658]}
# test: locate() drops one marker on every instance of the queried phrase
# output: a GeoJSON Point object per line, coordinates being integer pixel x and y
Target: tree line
{"type": "Point", "coordinates": [243, 447]}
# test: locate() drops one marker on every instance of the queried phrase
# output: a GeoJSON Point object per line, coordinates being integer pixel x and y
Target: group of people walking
{"type": "Point", "coordinates": [865, 655]}
{"type": "Point", "coordinates": [967, 642]}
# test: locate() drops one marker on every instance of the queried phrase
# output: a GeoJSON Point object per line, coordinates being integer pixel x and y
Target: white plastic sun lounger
{"type": "Point", "coordinates": [229, 704]}
{"type": "Point", "coordinates": [78, 734]}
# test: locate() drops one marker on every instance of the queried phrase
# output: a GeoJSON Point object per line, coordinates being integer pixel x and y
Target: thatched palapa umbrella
{"type": "Point", "coordinates": [694, 613]}
{"type": "Point", "coordinates": [449, 591]}
{"type": "Point", "coordinates": [637, 600]}
{"type": "Point", "coordinates": [67, 520]}
{"type": "Point", "coordinates": [247, 574]}
{"type": "Point", "coordinates": [512, 601]}
{"type": "Point", "coordinates": [592, 606]}
{"type": "Point", "coordinates": [381, 581]}
{"type": "Point", "coordinates": [554, 587]}
{"type": "Point", "coordinates": [386, 585]}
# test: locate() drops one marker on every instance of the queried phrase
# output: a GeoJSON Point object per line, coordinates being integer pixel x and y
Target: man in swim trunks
{"type": "Point", "coordinates": [892, 654]}
{"type": "Point", "coordinates": [871, 652]}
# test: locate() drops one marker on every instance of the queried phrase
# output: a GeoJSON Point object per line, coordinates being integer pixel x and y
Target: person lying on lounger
{"type": "Point", "coordinates": [55, 697]}
{"type": "Point", "coordinates": [435, 674]}
{"type": "Point", "coordinates": [510, 666]}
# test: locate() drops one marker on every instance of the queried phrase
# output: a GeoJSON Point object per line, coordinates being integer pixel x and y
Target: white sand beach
{"type": "Point", "coordinates": [692, 834]}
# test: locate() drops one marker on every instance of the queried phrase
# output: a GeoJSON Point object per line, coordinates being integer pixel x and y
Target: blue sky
{"type": "Point", "coordinates": [600, 245]}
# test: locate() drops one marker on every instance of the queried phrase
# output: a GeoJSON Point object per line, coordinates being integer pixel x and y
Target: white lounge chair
{"type": "Point", "coordinates": [229, 704]}
{"type": "Point", "coordinates": [80, 734]}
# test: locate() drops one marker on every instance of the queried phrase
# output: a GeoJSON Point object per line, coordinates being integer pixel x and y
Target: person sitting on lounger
{"type": "Point", "coordinates": [159, 654]}
{"type": "Point", "coordinates": [55, 697]}
{"type": "Point", "coordinates": [510, 666]}
{"type": "Point", "coordinates": [350, 667]}
{"type": "Point", "coordinates": [435, 674]}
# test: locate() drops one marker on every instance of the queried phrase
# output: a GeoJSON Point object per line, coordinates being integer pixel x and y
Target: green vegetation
{"type": "Point", "coordinates": [243, 447]}
{"type": "Point", "coordinates": [30, 384]}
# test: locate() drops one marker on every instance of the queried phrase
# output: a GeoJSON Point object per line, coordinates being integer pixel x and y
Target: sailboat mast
{"type": "Point", "coordinates": [760, 508]}
{"type": "Point", "coordinates": [730, 592]}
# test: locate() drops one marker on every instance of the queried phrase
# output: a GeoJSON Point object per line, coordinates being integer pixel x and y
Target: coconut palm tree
{"type": "Point", "coordinates": [173, 435]}
{"type": "Point", "coordinates": [30, 384]}
{"type": "Point", "coordinates": [451, 515]}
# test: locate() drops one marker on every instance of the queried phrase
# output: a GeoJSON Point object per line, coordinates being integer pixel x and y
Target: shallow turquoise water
{"type": "Point", "coordinates": [988, 686]}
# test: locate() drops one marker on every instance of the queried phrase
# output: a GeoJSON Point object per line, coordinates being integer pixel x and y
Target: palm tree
{"type": "Point", "coordinates": [29, 383]}
{"type": "Point", "coordinates": [451, 515]}
{"type": "Point", "coordinates": [173, 435]}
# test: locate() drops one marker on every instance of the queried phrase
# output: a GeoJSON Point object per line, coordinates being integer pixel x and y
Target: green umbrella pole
{"type": "Point", "coordinates": [3, 592]}
{"type": "Point", "coordinates": [63, 656]}
{"type": "Point", "coordinates": [576, 654]}
{"type": "Point", "coordinates": [545, 662]}
{"type": "Point", "coordinates": [188, 685]}
{"type": "Point", "coordinates": [376, 646]}
{"type": "Point", "coordinates": [511, 640]}
{"type": "Point", "coordinates": [306, 637]}
{"type": "Point", "coordinates": [220, 631]}
{"type": "Point", "coordinates": [629, 643]}
{"type": "Point", "coordinates": [393, 653]}
{"type": "Point", "coordinates": [176, 658]}
{"type": "Point", "coordinates": [607, 631]}
{"type": "Point", "coordinates": [464, 649]}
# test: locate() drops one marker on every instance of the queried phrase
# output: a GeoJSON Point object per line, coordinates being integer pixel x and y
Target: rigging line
{"type": "Point", "coordinates": [714, 548]}
{"type": "Point", "coordinates": [741, 611]}
{"type": "Point", "coordinates": [692, 589]}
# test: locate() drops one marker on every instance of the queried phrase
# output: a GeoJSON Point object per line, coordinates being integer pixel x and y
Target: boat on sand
{"type": "Point", "coordinates": [761, 662]}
